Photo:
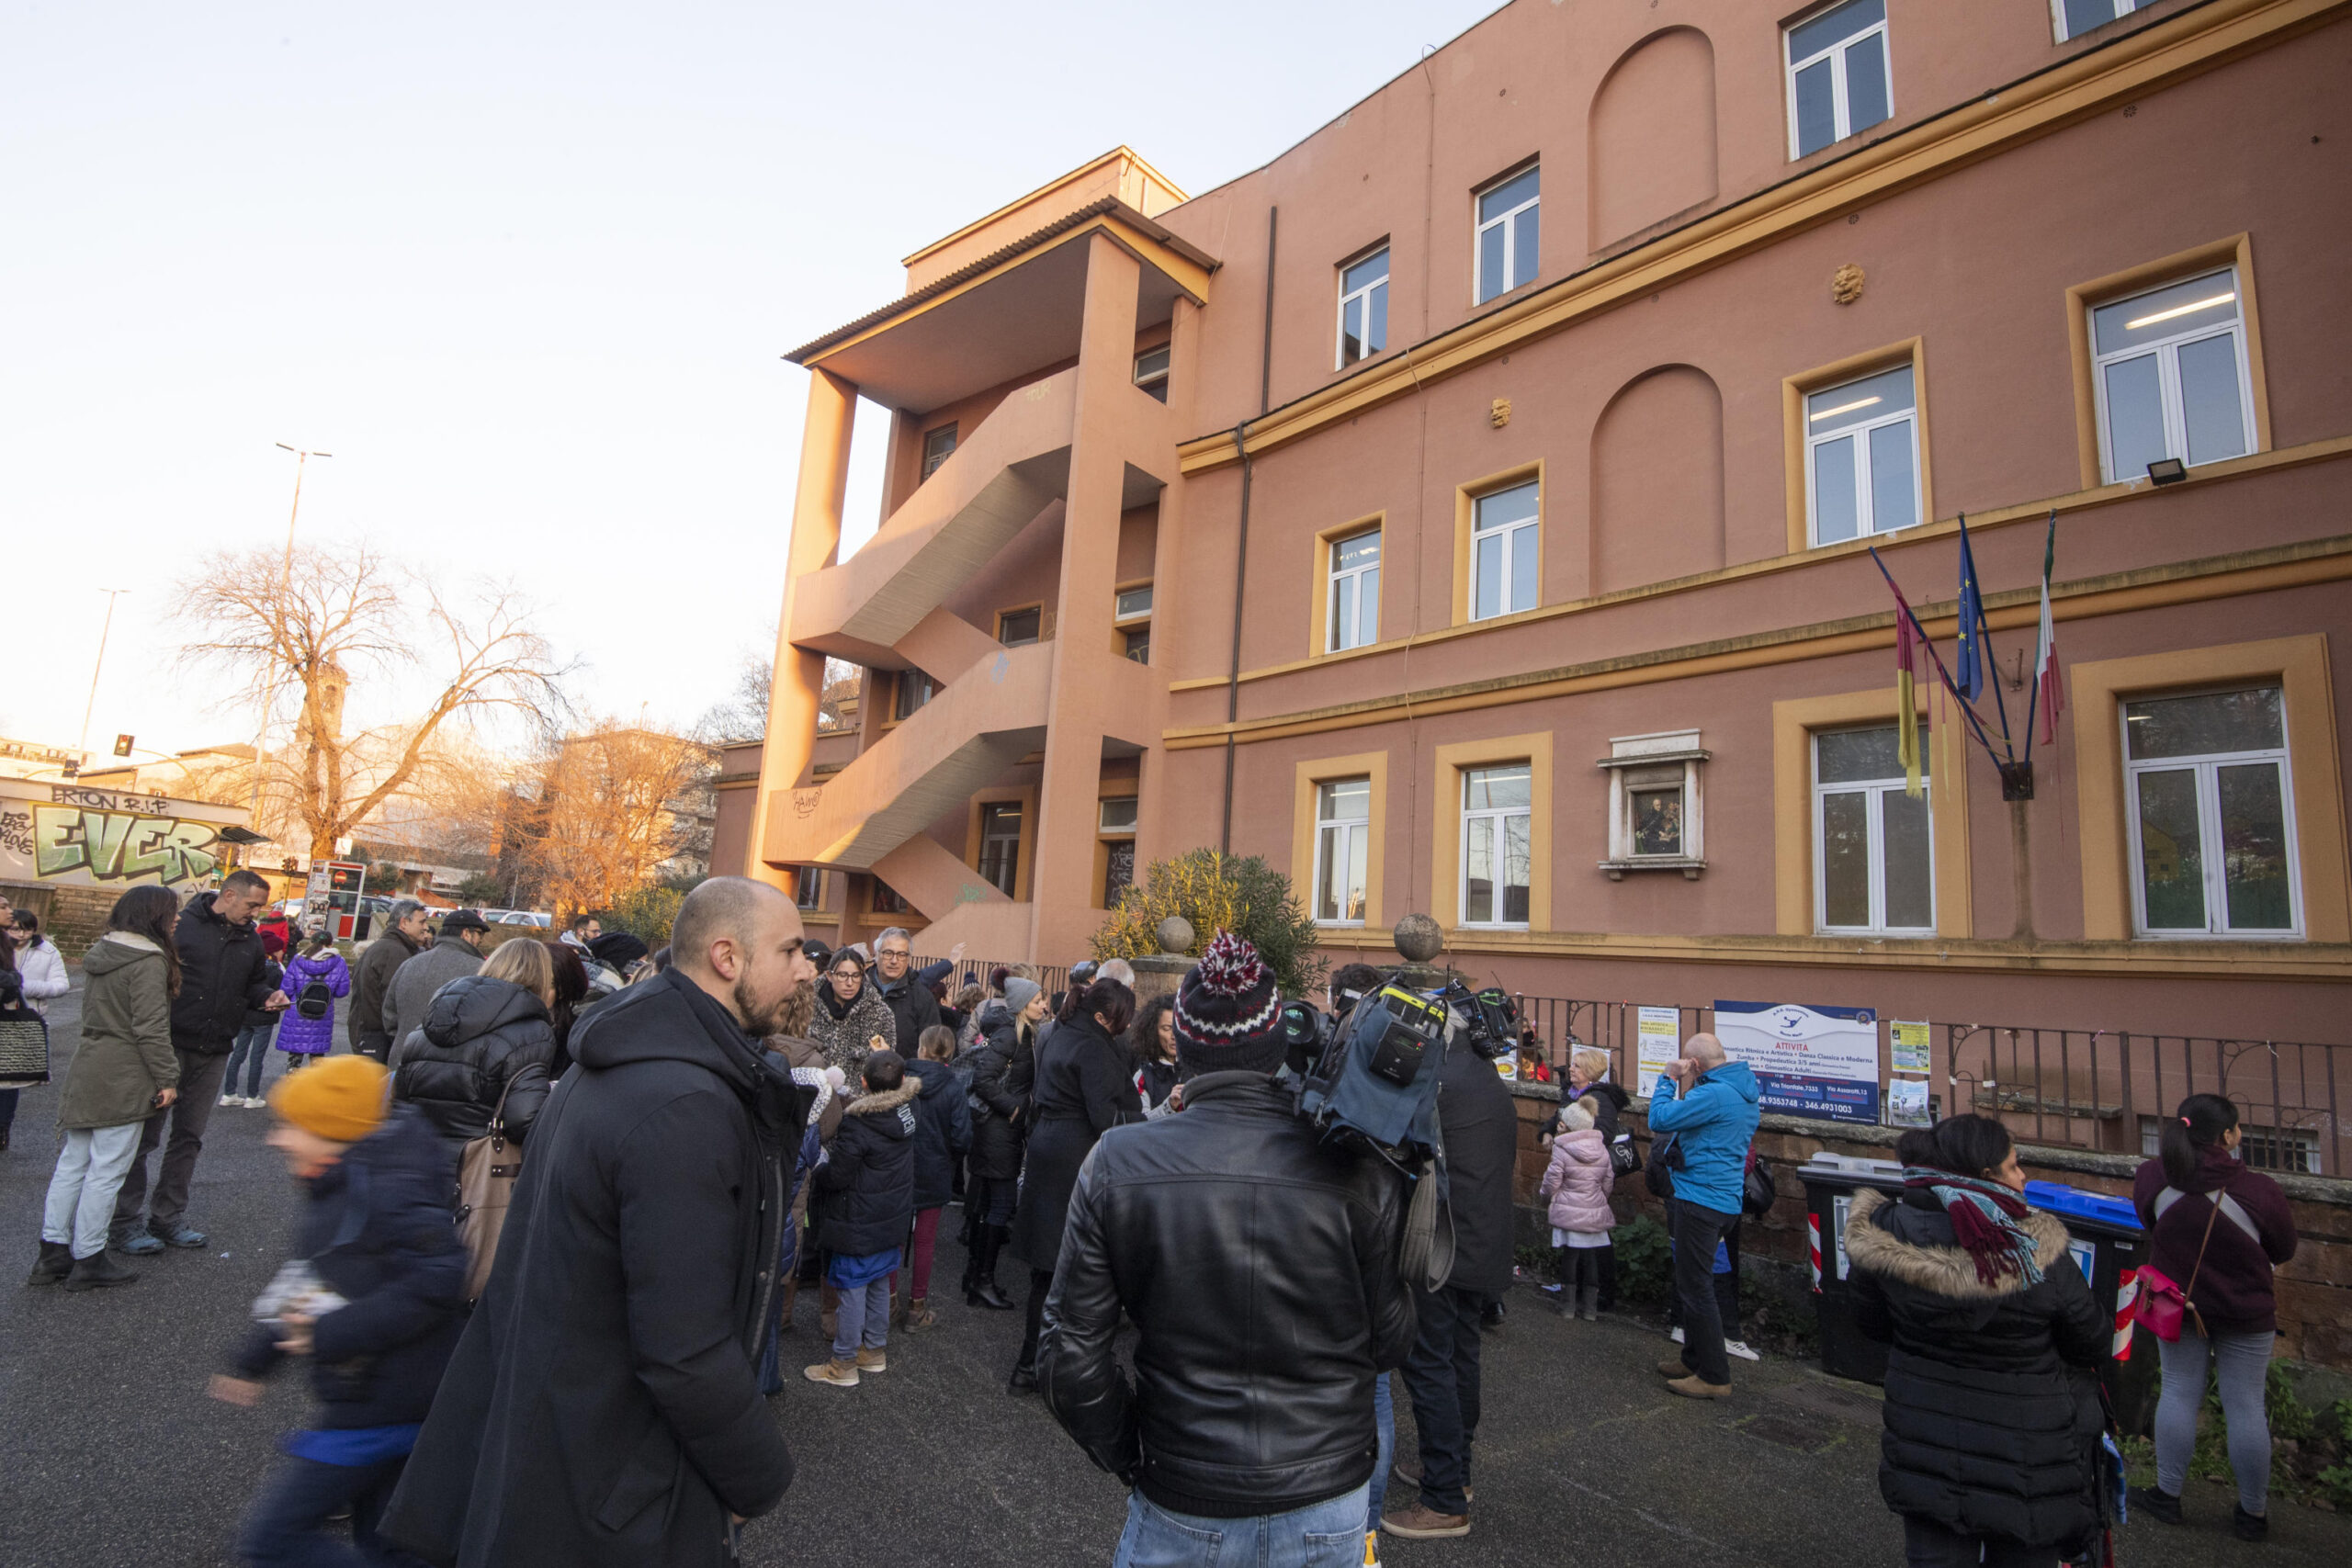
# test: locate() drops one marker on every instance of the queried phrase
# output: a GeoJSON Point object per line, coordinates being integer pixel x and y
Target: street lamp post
{"type": "Point", "coordinates": [285, 586]}
{"type": "Point", "coordinates": [81, 748]}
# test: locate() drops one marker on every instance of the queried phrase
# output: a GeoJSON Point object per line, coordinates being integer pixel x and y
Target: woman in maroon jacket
{"type": "Point", "coordinates": [2215, 1229]}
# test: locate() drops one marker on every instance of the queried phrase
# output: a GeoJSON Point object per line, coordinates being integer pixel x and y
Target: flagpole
{"type": "Point", "coordinates": [1904, 606]}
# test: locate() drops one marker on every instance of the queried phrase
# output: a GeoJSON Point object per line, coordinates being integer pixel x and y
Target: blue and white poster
{"type": "Point", "coordinates": [1816, 1062]}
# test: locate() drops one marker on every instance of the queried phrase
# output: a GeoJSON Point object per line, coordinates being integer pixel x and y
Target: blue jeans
{"type": "Point", "coordinates": [1329, 1534]}
{"type": "Point", "coordinates": [863, 1319]}
{"type": "Point", "coordinates": [250, 1049]}
{"type": "Point", "coordinates": [1384, 1415]}
{"type": "Point", "coordinates": [2242, 1363]}
{"type": "Point", "coordinates": [288, 1521]}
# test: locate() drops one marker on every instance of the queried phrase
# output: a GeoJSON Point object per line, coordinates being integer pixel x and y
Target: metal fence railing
{"type": "Point", "coordinates": [2083, 1089]}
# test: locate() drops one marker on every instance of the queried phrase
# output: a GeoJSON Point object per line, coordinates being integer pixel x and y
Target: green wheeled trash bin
{"type": "Point", "coordinates": [1831, 1182]}
{"type": "Point", "coordinates": [2109, 1247]}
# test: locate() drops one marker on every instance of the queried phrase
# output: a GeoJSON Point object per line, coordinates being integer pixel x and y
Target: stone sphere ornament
{"type": "Point", "coordinates": [1418, 939]}
{"type": "Point", "coordinates": [1175, 934]}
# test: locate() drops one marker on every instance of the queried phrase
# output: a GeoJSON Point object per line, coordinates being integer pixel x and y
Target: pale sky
{"type": "Point", "coordinates": [527, 270]}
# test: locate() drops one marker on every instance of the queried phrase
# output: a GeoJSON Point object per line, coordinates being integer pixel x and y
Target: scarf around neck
{"type": "Point", "coordinates": [1987, 1220]}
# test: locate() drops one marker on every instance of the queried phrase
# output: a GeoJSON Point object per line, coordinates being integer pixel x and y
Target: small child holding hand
{"type": "Point", "coordinates": [1575, 1186]}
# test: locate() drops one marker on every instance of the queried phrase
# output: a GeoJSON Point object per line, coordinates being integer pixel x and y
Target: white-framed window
{"type": "Point", "coordinates": [1116, 814]}
{"type": "Point", "coordinates": [1151, 372]}
{"type": "Point", "coordinates": [1343, 849]}
{"type": "Point", "coordinates": [1861, 457]}
{"type": "Point", "coordinates": [2073, 18]}
{"type": "Point", "coordinates": [1837, 75]}
{"type": "Point", "coordinates": [1873, 853]}
{"type": "Point", "coordinates": [1508, 232]}
{"type": "Point", "coordinates": [2170, 371]}
{"type": "Point", "coordinates": [808, 888]}
{"type": "Point", "coordinates": [1351, 617]}
{"type": "Point", "coordinates": [1131, 604]}
{"type": "Point", "coordinates": [1505, 551]}
{"type": "Point", "coordinates": [938, 446]}
{"type": "Point", "coordinates": [1497, 821]}
{"type": "Point", "coordinates": [1001, 846]}
{"type": "Point", "coordinates": [2212, 814]}
{"type": "Point", "coordinates": [1363, 307]}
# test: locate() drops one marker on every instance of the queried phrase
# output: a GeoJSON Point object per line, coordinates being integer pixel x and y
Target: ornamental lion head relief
{"type": "Point", "coordinates": [804, 801]}
{"type": "Point", "coordinates": [1845, 284]}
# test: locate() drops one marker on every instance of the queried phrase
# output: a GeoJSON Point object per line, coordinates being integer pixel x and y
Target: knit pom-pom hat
{"type": "Point", "coordinates": [1227, 1012]}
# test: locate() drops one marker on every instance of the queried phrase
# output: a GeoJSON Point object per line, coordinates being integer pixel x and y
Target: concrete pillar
{"type": "Point", "coordinates": [1060, 889]}
{"type": "Point", "coordinates": [816, 538]}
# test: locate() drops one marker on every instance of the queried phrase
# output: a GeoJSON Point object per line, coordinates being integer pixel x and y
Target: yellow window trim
{"type": "Point", "coordinates": [1318, 610]}
{"type": "Point", "coordinates": [1466, 510]}
{"type": "Point", "coordinates": [1321, 770]}
{"type": "Point", "coordinates": [2299, 665]}
{"type": "Point", "coordinates": [2134, 66]}
{"type": "Point", "coordinates": [2237, 251]}
{"type": "Point", "coordinates": [1910, 351]}
{"type": "Point", "coordinates": [998, 794]}
{"type": "Point", "coordinates": [1445, 838]}
{"type": "Point", "coordinates": [1794, 723]}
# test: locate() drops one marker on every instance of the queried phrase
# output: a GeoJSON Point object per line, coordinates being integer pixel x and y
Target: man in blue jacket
{"type": "Point", "coordinates": [1709, 1105]}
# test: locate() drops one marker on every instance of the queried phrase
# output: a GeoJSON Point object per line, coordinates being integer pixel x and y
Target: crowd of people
{"type": "Point", "coordinates": [667, 1145]}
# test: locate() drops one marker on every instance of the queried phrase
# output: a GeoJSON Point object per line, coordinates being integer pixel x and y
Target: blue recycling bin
{"type": "Point", "coordinates": [2109, 1247]}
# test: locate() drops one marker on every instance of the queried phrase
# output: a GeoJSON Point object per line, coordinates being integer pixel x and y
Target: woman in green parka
{"type": "Point", "coordinates": [123, 1072]}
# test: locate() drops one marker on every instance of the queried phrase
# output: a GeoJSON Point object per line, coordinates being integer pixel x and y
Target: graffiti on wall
{"type": "Point", "coordinates": [110, 846]}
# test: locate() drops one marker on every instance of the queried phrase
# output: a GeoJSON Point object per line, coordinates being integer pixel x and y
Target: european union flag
{"type": "Point", "coordinates": [1969, 675]}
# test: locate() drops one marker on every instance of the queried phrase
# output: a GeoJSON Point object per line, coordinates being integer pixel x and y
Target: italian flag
{"type": "Point", "coordinates": [2048, 689]}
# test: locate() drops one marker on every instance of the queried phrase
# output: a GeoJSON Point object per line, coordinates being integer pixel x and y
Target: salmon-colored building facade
{"type": "Point", "coordinates": [1470, 512]}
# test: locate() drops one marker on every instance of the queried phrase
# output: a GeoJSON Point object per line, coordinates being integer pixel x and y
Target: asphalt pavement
{"type": "Point", "coordinates": [111, 1454]}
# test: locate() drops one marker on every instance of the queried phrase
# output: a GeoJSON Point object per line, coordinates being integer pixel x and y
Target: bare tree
{"type": "Point", "coordinates": [615, 807]}
{"type": "Point", "coordinates": [742, 714]}
{"type": "Point", "coordinates": [302, 631]}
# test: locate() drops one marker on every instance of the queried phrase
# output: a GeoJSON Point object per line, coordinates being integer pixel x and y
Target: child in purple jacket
{"type": "Point", "coordinates": [314, 978]}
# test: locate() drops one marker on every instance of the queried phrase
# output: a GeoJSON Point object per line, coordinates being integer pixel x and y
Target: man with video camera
{"type": "Point", "coordinates": [1260, 1264]}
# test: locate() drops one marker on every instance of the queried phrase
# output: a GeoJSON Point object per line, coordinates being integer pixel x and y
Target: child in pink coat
{"type": "Point", "coordinates": [1577, 1185]}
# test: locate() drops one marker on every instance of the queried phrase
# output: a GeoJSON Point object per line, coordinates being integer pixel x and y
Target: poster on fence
{"type": "Point", "coordinates": [1910, 1045]}
{"type": "Point", "coordinates": [1817, 1061]}
{"type": "Point", "coordinates": [1906, 1103]}
{"type": "Point", "coordinates": [1657, 1034]}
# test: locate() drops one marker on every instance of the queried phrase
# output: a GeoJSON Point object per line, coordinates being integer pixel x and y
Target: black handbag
{"type": "Point", "coordinates": [1624, 1157]}
{"type": "Point", "coordinates": [1757, 1190]}
{"type": "Point", "coordinates": [24, 1048]}
{"type": "Point", "coordinates": [1665, 1158]}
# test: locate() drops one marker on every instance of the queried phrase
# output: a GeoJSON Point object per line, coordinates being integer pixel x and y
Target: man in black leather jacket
{"type": "Point", "coordinates": [1260, 1267]}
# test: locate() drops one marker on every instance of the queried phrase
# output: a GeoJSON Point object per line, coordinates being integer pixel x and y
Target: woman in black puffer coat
{"type": "Point", "coordinates": [1993, 1415]}
{"type": "Point", "coordinates": [484, 1037]}
{"type": "Point", "coordinates": [1000, 1125]}
{"type": "Point", "coordinates": [1086, 1085]}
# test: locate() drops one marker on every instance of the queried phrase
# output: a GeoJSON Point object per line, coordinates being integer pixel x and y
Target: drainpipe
{"type": "Point", "coordinates": [1241, 558]}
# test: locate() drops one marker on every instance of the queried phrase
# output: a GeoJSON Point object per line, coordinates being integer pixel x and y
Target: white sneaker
{"type": "Point", "coordinates": [231, 1100]}
{"type": "Point", "coordinates": [1739, 1348]}
{"type": "Point", "coordinates": [1675, 1334]}
{"type": "Point", "coordinates": [255, 1102]}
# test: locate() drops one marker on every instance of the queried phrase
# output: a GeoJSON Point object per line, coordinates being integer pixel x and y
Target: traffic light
{"type": "Point", "coordinates": [122, 745]}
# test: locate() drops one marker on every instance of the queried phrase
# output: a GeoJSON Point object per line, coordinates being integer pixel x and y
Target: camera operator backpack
{"type": "Point", "coordinates": [1373, 1085]}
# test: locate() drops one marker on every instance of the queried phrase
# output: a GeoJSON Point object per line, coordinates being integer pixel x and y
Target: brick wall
{"type": "Point", "coordinates": [2314, 1288]}
{"type": "Point", "coordinates": [71, 916]}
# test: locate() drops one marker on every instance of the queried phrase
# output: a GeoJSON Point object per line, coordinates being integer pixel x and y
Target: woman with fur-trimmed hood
{"type": "Point", "coordinates": [1993, 1416]}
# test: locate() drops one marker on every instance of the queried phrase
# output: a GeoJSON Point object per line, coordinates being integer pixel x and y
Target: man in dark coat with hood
{"type": "Point", "coordinates": [602, 1408]}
